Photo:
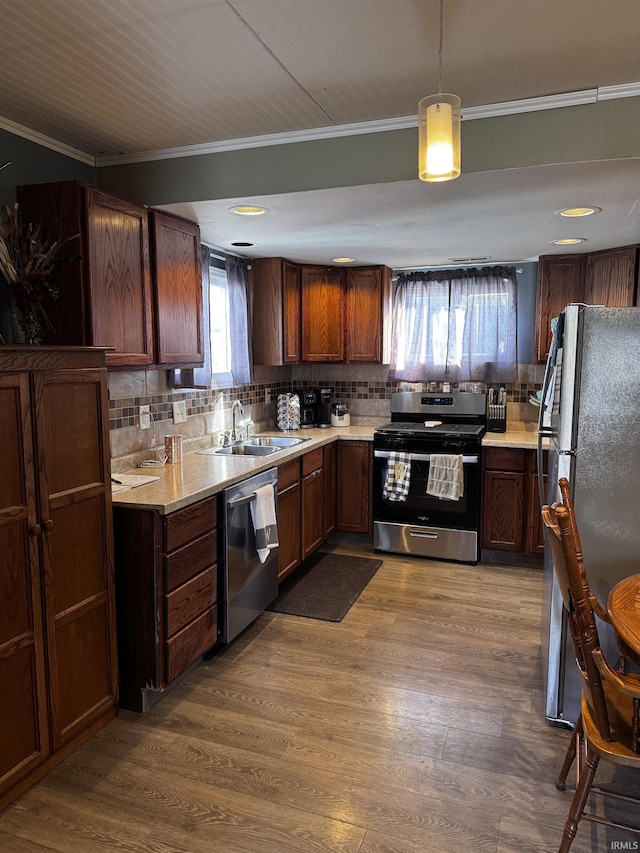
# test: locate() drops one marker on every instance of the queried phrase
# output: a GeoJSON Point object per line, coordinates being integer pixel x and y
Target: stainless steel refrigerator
{"type": "Point", "coordinates": [590, 412]}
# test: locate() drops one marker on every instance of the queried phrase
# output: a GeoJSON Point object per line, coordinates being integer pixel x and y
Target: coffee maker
{"type": "Point", "coordinates": [323, 407]}
{"type": "Point", "coordinates": [308, 408]}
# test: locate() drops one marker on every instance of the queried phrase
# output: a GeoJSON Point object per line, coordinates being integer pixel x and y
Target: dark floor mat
{"type": "Point", "coordinates": [325, 587]}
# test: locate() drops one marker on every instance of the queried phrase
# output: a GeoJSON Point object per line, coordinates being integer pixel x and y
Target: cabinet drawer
{"type": "Point", "coordinates": [187, 561]}
{"type": "Point", "coordinates": [311, 461]}
{"type": "Point", "coordinates": [288, 473]}
{"type": "Point", "coordinates": [189, 523]}
{"type": "Point", "coordinates": [194, 640]}
{"type": "Point", "coordinates": [190, 599]}
{"type": "Point", "coordinates": [504, 458]}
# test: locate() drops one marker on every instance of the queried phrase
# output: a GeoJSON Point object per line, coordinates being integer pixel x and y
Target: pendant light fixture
{"type": "Point", "coordinates": [439, 130]}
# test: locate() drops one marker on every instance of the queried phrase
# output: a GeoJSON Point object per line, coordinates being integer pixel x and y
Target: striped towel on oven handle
{"type": "Point", "coordinates": [398, 476]}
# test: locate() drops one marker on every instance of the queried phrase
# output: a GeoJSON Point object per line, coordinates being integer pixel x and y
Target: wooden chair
{"type": "Point", "coordinates": [609, 723]}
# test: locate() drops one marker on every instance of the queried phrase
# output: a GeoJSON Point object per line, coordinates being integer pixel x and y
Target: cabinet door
{"type": "Point", "coordinates": [354, 490]}
{"type": "Point", "coordinates": [610, 278]}
{"type": "Point", "coordinates": [76, 546]}
{"type": "Point", "coordinates": [177, 274]}
{"type": "Point", "coordinates": [560, 280]}
{"type": "Point", "coordinates": [119, 279]}
{"type": "Point", "coordinates": [24, 739]}
{"type": "Point", "coordinates": [322, 314]}
{"type": "Point", "coordinates": [364, 322]}
{"type": "Point", "coordinates": [503, 519]}
{"type": "Point", "coordinates": [329, 467]}
{"type": "Point", "coordinates": [289, 544]}
{"type": "Point", "coordinates": [291, 323]}
{"type": "Point", "coordinates": [312, 512]}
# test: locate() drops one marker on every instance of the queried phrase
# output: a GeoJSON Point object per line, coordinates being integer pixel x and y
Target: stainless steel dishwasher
{"type": "Point", "coordinates": [247, 586]}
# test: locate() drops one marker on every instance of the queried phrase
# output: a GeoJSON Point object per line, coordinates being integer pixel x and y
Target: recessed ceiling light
{"type": "Point", "coordinates": [569, 241]}
{"type": "Point", "coordinates": [242, 245]}
{"type": "Point", "coordinates": [344, 260]}
{"type": "Point", "coordinates": [578, 211]}
{"type": "Point", "coordinates": [248, 210]}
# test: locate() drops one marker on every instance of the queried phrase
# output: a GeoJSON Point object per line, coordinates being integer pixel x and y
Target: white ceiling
{"type": "Point", "coordinates": [110, 77]}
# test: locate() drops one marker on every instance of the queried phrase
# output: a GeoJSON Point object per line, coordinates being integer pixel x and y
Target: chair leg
{"type": "Point", "coordinates": [569, 755]}
{"type": "Point", "coordinates": [579, 800]}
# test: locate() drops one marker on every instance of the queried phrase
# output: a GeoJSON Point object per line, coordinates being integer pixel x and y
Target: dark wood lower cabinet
{"type": "Point", "coordinates": [166, 588]}
{"type": "Point", "coordinates": [289, 529]}
{"type": "Point", "coordinates": [354, 466]}
{"type": "Point", "coordinates": [312, 502]}
{"type": "Point", "coordinates": [511, 505]}
{"type": "Point", "coordinates": [58, 668]}
{"type": "Point", "coordinates": [329, 466]}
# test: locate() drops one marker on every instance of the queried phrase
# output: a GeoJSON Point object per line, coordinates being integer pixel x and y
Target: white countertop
{"type": "Point", "coordinates": [199, 475]}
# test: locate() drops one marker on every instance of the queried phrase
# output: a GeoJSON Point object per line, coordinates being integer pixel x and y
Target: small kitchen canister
{"type": "Point", "coordinates": [340, 416]}
{"type": "Point", "coordinates": [173, 448]}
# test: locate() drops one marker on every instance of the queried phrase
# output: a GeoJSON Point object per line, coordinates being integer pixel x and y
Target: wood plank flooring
{"type": "Point", "coordinates": [413, 726]}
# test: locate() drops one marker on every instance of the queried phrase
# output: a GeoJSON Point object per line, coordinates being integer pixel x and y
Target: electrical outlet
{"type": "Point", "coordinates": [144, 413]}
{"type": "Point", "coordinates": [180, 412]}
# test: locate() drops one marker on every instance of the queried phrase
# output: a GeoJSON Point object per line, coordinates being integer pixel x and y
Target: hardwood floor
{"type": "Point", "coordinates": [413, 726]}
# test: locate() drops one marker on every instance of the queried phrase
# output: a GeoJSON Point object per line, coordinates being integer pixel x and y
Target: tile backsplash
{"type": "Point", "coordinates": [365, 387]}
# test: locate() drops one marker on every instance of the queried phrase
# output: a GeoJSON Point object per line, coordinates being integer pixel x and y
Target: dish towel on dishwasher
{"type": "Point", "coordinates": [446, 476]}
{"type": "Point", "coordinates": [263, 514]}
{"type": "Point", "coordinates": [396, 482]}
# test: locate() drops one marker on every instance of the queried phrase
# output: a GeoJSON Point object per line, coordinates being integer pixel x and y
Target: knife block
{"type": "Point", "coordinates": [497, 420]}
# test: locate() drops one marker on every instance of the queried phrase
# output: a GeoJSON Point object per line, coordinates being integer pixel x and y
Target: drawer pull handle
{"type": "Point", "coordinates": [36, 530]}
{"type": "Point", "coordinates": [48, 524]}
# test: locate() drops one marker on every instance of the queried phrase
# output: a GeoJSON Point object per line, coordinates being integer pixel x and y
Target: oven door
{"type": "Point", "coordinates": [419, 508]}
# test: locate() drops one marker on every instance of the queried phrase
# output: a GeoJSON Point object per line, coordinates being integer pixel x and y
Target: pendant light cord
{"type": "Point", "coordinates": [440, 48]}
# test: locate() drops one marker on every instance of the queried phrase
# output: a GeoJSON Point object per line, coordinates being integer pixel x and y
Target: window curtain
{"type": "Point", "coordinates": [239, 320]}
{"type": "Point", "coordinates": [455, 324]}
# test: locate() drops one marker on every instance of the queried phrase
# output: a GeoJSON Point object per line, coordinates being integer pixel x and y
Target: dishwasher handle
{"type": "Point", "coordinates": [241, 501]}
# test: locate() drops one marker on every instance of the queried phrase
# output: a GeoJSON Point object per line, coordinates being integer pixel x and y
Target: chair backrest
{"type": "Point", "coordinates": [564, 543]}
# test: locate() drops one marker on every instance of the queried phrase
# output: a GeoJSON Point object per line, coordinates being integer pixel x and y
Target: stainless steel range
{"type": "Point", "coordinates": [409, 520]}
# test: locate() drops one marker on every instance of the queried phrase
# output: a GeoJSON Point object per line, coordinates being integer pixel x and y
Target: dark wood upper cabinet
{"type": "Point", "coordinates": [120, 286]}
{"type": "Point", "coordinates": [607, 278]}
{"type": "Point", "coordinates": [104, 276]}
{"type": "Point", "coordinates": [559, 283]}
{"type": "Point", "coordinates": [276, 326]}
{"type": "Point", "coordinates": [177, 276]}
{"type": "Point", "coordinates": [322, 314]}
{"type": "Point", "coordinates": [304, 313]}
{"type": "Point", "coordinates": [364, 313]}
{"type": "Point", "coordinates": [610, 278]}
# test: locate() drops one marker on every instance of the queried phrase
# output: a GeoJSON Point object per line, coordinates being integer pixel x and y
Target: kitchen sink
{"type": "Point", "coordinates": [241, 449]}
{"type": "Point", "coordinates": [273, 441]}
{"type": "Point", "coordinates": [256, 445]}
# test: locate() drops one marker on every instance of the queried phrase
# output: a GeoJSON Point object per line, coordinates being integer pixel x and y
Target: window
{"type": "Point", "coordinates": [219, 325]}
{"type": "Point", "coordinates": [455, 324]}
{"type": "Point", "coordinates": [227, 360]}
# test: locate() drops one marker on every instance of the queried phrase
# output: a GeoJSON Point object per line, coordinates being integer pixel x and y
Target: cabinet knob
{"type": "Point", "coordinates": [48, 524]}
{"type": "Point", "coordinates": [36, 530]}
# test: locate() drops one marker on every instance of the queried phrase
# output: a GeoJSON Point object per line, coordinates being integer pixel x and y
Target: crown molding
{"type": "Point", "coordinates": [549, 102]}
{"type": "Point", "coordinates": [47, 141]}
{"type": "Point", "coordinates": [505, 108]}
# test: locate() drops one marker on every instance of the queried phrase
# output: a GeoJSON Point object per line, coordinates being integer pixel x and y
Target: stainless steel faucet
{"type": "Point", "coordinates": [236, 407]}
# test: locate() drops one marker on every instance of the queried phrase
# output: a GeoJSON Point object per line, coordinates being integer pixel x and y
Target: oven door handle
{"type": "Point", "coordinates": [422, 457]}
